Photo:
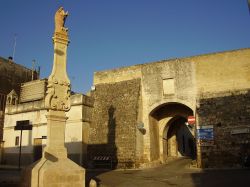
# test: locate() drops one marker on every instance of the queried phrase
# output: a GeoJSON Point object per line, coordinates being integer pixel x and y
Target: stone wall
{"type": "Point", "coordinates": [113, 129]}
{"type": "Point", "coordinates": [1, 124]}
{"type": "Point", "coordinates": [209, 79]}
{"type": "Point", "coordinates": [117, 75]}
{"type": "Point", "coordinates": [12, 75]}
{"type": "Point", "coordinates": [224, 71]}
{"type": "Point", "coordinates": [229, 114]}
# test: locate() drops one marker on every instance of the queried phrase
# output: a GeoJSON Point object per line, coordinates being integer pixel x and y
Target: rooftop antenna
{"type": "Point", "coordinates": [14, 47]}
{"type": "Point", "coordinates": [38, 72]}
{"type": "Point", "coordinates": [33, 69]}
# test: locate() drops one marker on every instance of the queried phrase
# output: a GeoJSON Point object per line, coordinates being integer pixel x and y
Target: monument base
{"type": "Point", "coordinates": [53, 172]}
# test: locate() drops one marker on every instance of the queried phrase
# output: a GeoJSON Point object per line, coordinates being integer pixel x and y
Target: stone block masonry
{"type": "Point", "coordinates": [113, 128]}
{"type": "Point", "coordinates": [12, 75]}
{"type": "Point", "coordinates": [229, 114]}
{"type": "Point", "coordinates": [218, 82]}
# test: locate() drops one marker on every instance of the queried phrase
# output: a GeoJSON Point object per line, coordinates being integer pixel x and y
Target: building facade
{"type": "Point", "coordinates": [11, 77]}
{"type": "Point", "coordinates": [140, 114]}
{"type": "Point", "coordinates": [29, 105]}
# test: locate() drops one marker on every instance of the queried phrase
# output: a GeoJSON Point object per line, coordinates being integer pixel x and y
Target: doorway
{"type": "Point", "coordinates": [170, 136]}
{"type": "Point", "coordinates": [37, 149]}
{"type": "Point", "coordinates": [180, 140]}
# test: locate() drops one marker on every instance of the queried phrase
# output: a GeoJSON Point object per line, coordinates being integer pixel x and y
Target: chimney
{"type": "Point", "coordinates": [10, 58]}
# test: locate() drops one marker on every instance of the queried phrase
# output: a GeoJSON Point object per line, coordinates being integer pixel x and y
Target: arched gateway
{"type": "Point", "coordinates": [170, 134]}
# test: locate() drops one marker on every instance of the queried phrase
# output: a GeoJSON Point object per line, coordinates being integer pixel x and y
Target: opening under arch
{"type": "Point", "coordinates": [169, 134]}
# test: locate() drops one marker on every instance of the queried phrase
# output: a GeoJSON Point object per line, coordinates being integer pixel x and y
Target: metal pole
{"type": "Point", "coordinates": [20, 150]}
{"type": "Point", "coordinates": [33, 69]}
{"type": "Point", "coordinates": [14, 47]}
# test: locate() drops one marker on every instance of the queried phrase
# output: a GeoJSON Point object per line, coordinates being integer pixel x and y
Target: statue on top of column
{"type": "Point", "coordinates": [58, 87]}
{"type": "Point", "coordinates": [60, 18]}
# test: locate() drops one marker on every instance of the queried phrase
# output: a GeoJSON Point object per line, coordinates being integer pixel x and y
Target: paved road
{"type": "Point", "coordinates": [176, 173]}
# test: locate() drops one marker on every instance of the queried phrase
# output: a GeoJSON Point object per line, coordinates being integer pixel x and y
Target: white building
{"type": "Point", "coordinates": [30, 106]}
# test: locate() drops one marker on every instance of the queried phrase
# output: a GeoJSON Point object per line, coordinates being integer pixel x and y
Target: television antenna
{"type": "Point", "coordinates": [14, 47]}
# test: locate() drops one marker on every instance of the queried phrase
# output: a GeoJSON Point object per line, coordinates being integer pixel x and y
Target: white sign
{"type": "Point", "coordinates": [240, 131]}
{"type": "Point", "coordinates": [205, 127]}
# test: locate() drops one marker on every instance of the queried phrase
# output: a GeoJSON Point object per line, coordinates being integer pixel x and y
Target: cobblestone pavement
{"type": "Point", "coordinates": [176, 173]}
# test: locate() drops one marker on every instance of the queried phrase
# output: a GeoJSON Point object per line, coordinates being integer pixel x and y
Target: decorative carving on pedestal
{"type": "Point", "coordinates": [57, 95]}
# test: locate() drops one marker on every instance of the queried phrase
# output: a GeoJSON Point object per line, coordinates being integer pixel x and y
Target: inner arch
{"type": "Point", "coordinates": [169, 134]}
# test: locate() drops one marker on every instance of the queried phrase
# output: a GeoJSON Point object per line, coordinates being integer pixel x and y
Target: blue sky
{"type": "Point", "coordinates": [107, 34]}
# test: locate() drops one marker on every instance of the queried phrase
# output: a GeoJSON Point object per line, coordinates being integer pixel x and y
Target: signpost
{"type": "Point", "coordinates": [22, 125]}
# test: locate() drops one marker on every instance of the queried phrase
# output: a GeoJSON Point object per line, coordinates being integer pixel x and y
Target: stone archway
{"type": "Point", "coordinates": [169, 134]}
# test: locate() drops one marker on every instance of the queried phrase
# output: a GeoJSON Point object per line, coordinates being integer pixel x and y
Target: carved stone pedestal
{"type": "Point", "coordinates": [54, 169]}
{"type": "Point", "coordinates": [53, 172]}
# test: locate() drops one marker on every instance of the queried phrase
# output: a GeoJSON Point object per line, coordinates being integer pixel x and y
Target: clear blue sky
{"type": "Point", "coordinates": [107, 34]}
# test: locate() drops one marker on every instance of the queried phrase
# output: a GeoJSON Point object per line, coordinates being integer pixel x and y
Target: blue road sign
{"type": "Point", "coordinates": [205, 134]}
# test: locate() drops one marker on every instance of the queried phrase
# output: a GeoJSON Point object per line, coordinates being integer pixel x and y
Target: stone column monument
{"type": "Point", "coordinates": [55, 169]}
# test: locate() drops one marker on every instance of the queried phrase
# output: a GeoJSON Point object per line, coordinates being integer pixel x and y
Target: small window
{"type": "Point", "coordinates": [13, 101]}
{"type": "Point", "coordinates": [17, 141]}
{"type": "Point", "coordinates": [9, 100]}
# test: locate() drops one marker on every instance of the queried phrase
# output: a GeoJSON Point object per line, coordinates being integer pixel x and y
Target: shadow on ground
{"type": "Point", "coordinates": [222, 177]}
{"type": "Point", "coordinates": [175, 173]}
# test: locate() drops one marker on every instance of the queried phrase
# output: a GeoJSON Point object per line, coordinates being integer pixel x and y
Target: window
{"type": "Point", "coordinates": [13, 101]}
{"type": "Point", "coordinates": [9, 99]}
{"type": "Point", "coordinates": [17, 141]}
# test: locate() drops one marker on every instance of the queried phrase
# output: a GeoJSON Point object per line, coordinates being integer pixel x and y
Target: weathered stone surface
{"type": "Point", "coordinates": [225, 112]}
{"type": "Point", "coordinates": [11, 77]}
{"type": "Point", "coordinates": [52, 172]}
{"type": "Point", "coordinates": [33, 90]}
{"type": "Point", "coordinates": [113, 129]}
{"type": "Point", "coordinates": [58, 88]}
{"type": "Point", "coordinates": [55, 169]}
{"type": "Point", "coordinates": [191, 79]}
{"type": "Point", "coordinates": [92, 183]}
